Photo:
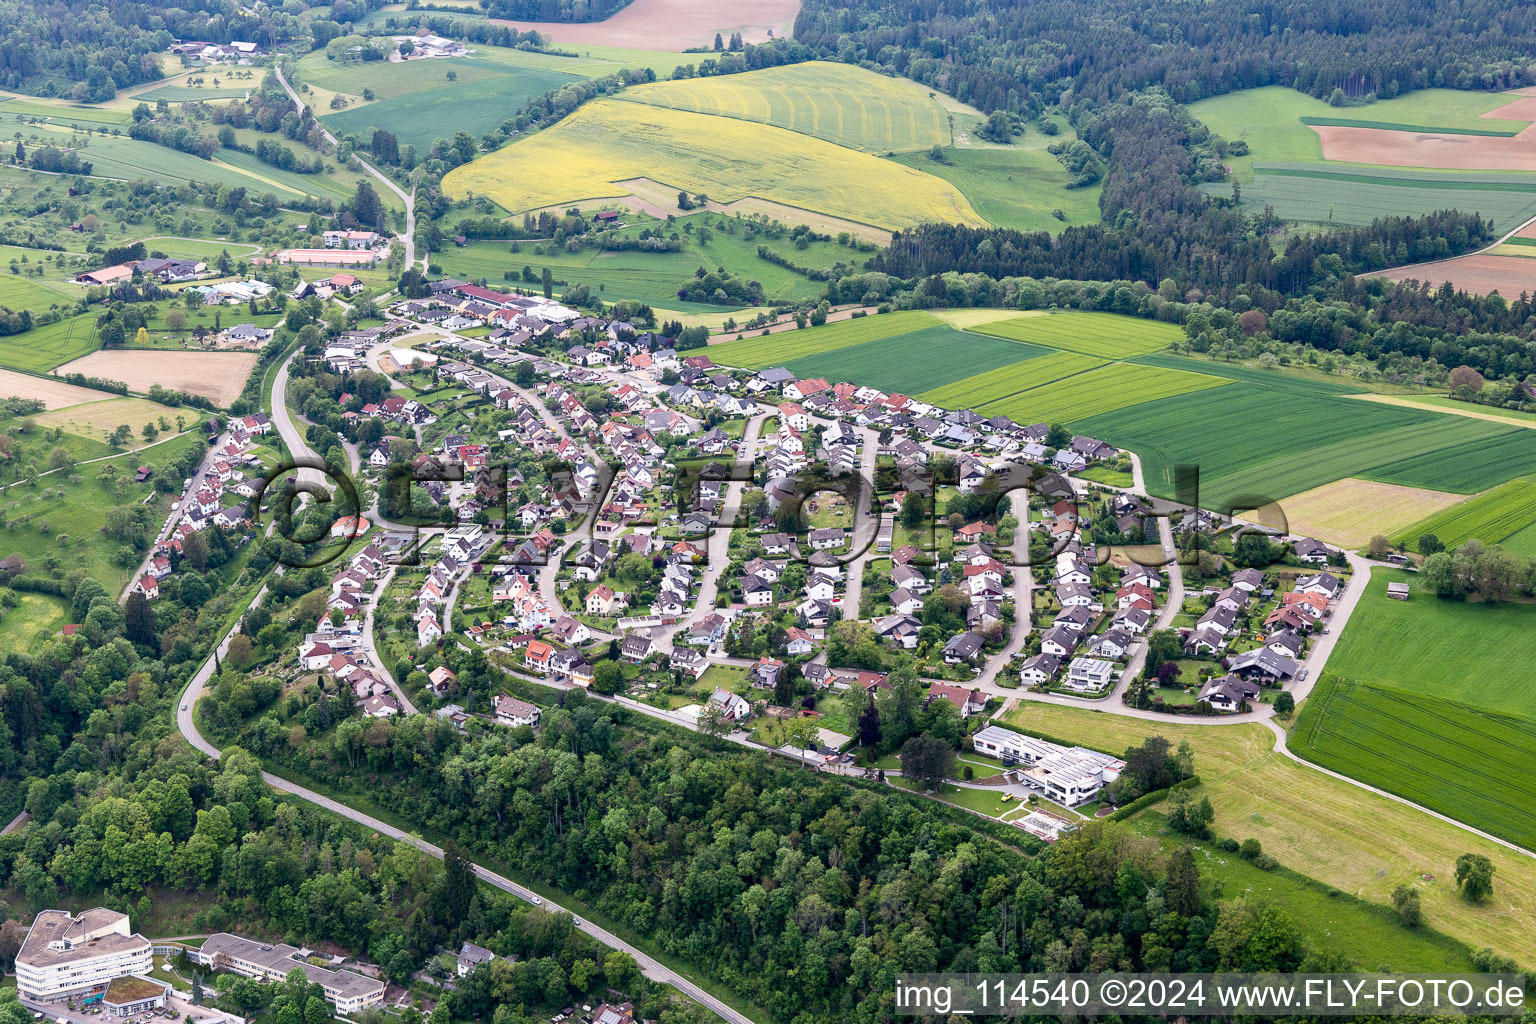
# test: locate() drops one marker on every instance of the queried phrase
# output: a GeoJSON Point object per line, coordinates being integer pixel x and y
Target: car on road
{"type": "Point", "coordinates": [537, 901]}
{"type": "Point", "coordinates": [576, 921]}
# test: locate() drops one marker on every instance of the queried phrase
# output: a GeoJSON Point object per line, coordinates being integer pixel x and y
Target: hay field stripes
{"type": "Point", "coordinates": [837, 102]}
{"type": "Point", "coordinates": [1502, 512]}
{"type": "Point", "coordinates": [608, 141]}
{"type": "Point", "coordinates": [1105, 335]}
{"type": "Point", "coordinates": [776, 349]}
{"type": "Point", "coordinates": [1099, 391]}
{"type": "Point", "coordinates": [1461, 761]}
{"type": "Point", "coordinates": [1005, 381]}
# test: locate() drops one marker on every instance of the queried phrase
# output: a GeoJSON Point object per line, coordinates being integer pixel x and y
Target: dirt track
{"type": "Point", "coordinates": [674, 24]}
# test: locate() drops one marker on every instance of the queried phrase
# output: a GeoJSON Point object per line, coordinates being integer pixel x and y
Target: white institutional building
{"type": "Point", "coordinates": [64, 956]}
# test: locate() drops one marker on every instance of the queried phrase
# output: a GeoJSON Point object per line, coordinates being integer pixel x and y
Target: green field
{"type": "Point", "coordinates": [1269, 119]}
{"type": "Point", "coordinates": [1521, 542]}
{"type": "Point", "coordinates": [1338, 194]}
{"type": "Point", "coordinates": [1502, 512]}
{"type": "Point", "coordinates": [654, 277]}
{"type": "Point", "coordinates": [1018, 187]}
{"type": "Point", "coordinates": [1459, 759]}
{"type": "Point", "coordinates": [778, 349]}
{"type": "Point", "coordinates": [841, 103]}
{"type": "Point", "coordinates": [34, 620]}
{"type": "Point", "coordinates": [1105, 335]}
{"type": "Point", "coordinates": [1289, 379]}
{"type": "Point", "coordinates": [1233, 435]}
{"type": "Point", "coordinates": [934, 355]}
{"type": "Point", "coordinates": [192, 94]}
{"type": "Point", "coordinates": [1456, 650]}
{"type": "Point", "coordinates": [43, 348]}
{"type": "Point", "coordinates": [1097, 392]}
{"type": "Point", "coordinates": [19, 292]}
{"type": "Point", "coordinates": [993, 385]}
{"type": "Point", "coordinates": [478, 107]}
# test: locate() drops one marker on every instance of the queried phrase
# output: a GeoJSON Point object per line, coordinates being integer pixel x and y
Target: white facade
{"type": "Point", "coordinates": [64, 955]}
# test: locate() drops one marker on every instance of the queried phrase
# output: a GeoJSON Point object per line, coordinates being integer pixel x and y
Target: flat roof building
{"type": "Point", "coordinates": [347, 991]}
{"type": "Point", "coordinates": [64, 956]}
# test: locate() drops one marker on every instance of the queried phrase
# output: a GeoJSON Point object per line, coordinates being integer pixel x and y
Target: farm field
{"type": "Point", "coordinates": [679, 23]}
{"type": "Point", "coordinates": [1521, 542]}
{"type": "Point", "coordinates": [606, 142]}
{"type": "Point", "coordinates": [1444, 403]}
{"type": "Point", "coordinates": [43, 348]}
{"type": "Point", "coordinates": [1459, 759]}
{"type": "Point", "coordinates": [1350, 512]}
{"type": "Point", "coordinates": [1479, 273]}
{"type": "Point", "coordinates": [419, 118]}
{"type": "Point", "coordinates": [993, 385]}
{"type": "Point", "coordinates": [776, 349]}
{"type": "Point", "coordinates": [1294, 379]}
{"type": "Point", "coordinates": [1454, 650]}
{"type": "Point", "coordinates": [1338, 194]}
{"type": "Point", "coordinates": [1105, 335]}
{"type": "Point", "coordinates": [904, 363]}
{"type": "Point", "coordinates": [1491, 517]}
{"type": "Point", "coordinates": [217, 376]}
{"type": "Point", "coordinates": [18, 292]}
{"type": "Point", "coordinates": [54, 394]}
{"type": "Point", "coordinates": [1269, 119]}
{"type": "Point", "coordinates": [1240, 452]}
{"type": "Point", "coordinates": [1097, 392]}
{"type": "Point", "coordinates": [1017, 187]}
{"type": "Point", "coordinates": [1313, 823]}
{"type": "Point", "coordinates": [96, 420]}
{"type": "Point", "coordinates": [841, 103]}
{"type": "Point", "coordinates": [34, 620]}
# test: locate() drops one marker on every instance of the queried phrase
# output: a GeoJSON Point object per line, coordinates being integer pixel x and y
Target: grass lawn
{"type": "Point", "coordinates": [1101, 474]}
{"type": "Point", "coordinates": [985, 801]}
{"type": "Point", "coordinates": [1018, 187]}
{"type": "Point", "coordinates": [35, 619]}
{"type": "Point", "coordinates": [1337, 833]}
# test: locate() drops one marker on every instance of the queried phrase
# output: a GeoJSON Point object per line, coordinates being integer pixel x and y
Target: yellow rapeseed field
{"type": "Point", "coordinates": [591, 153]}
{"type": "Point", "coordinates": [841, 103]}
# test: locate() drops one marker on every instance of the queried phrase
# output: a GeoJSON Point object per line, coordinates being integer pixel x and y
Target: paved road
{"type": "Point", "coordinates": [652, 968]}
{"type": "Point", "coordinates": [172, 517]}
{"type": "Point", "coordinates": [409, 199]}
{"type": "Point", "coordinates": [293, 437]}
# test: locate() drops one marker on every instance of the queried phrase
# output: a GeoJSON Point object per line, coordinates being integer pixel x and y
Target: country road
{"type": "Point", "coordinates": [409, 199]}
{"type": "Point", "coordinates": [651, 967]}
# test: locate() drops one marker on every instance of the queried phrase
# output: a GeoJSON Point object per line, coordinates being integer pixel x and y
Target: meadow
{"type": "Point", "coordinates": [63, 514]}
{"type": "Point", "coordinates": [97, 420]}
{"type": "Point", "coordinates": [592, 152]}
{"type": "Point", "coordinates": [993, 385]}
{"type": "Point", "coordinates": [1459, 759]}
{"type": "Point", "coordinates": [1491, 517]}
{"type": "Point", "coordinates": [1332, 831]}
{"type": "Point", "coordinates": [1341, 194]}
{"type": "Point", "coordinates": [934, 355]}
{"type": "Point", "coordinates": [1269, 119]}
{"type": "Point", "coordinates": [841, 103]}
{"type": "Point", "coordinates": [1462, 651]}
{"type": "Point", "coordinates": [478, 107]}
{"type": "Point", "coordinates": [653, 277]}
{"type": "Point", "coordinates": [1291, 378]}
{"type": "Point", "coordinates": [1105, 335]}
{"type": "Point", "coordinates": [1097, 392]}
{"type": "Point", "coordinates": [34, 620]}
{"type": "Point", "coordinates": [1020, 187]}
{"type": "Point", "coordinates": [20, 292]}
{"type": "Point", "coordinates": [777, 349]}
{"type": "Point", "coordinates": [1231, 434]}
